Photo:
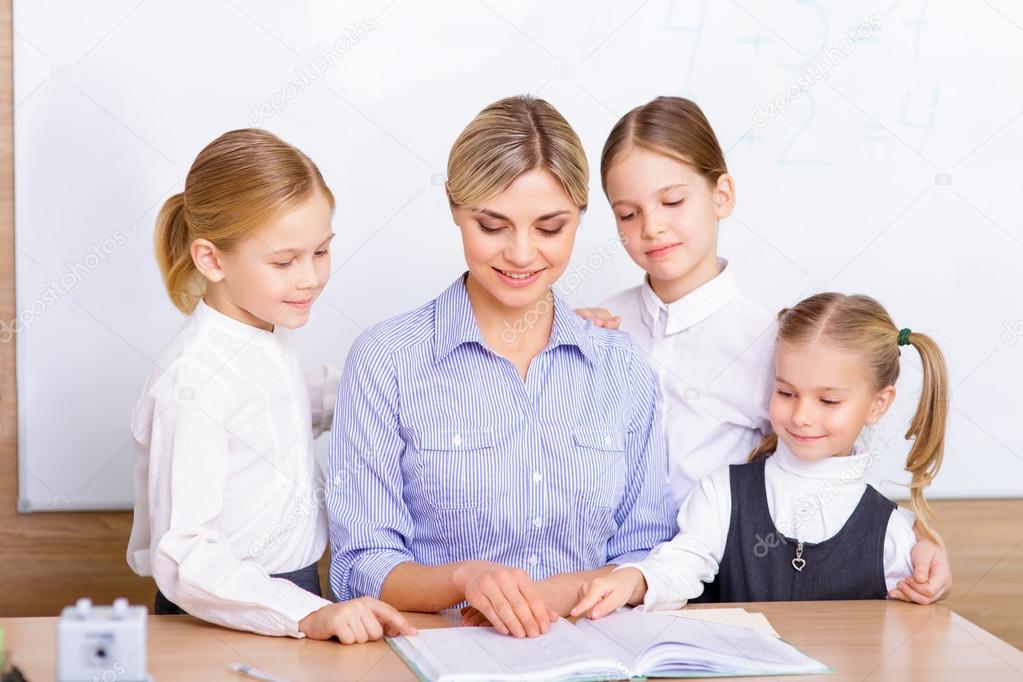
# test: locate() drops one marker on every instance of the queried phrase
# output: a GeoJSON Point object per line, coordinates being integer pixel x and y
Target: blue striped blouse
{"type": "Point", "coordinates": [440, 452]}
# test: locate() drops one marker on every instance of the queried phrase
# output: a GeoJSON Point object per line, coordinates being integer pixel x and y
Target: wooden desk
{"type": "Point", "coordinates": [876, 640]}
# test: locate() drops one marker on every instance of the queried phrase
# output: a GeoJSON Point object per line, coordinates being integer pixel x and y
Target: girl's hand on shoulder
{"type": "Point", "coordinates": [359, 620]}
{"type": "Point", "coordinates": [600, 317]}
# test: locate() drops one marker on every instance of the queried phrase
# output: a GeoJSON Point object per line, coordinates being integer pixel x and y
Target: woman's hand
{"type": "Point", "coordinates": [355, 621]}
{"type": "Point", "coordinates": [601, 317]}
{"type": "Point", "coordinates": [603, 595]}
{"type": "Point", "coordinates": [505, 597]}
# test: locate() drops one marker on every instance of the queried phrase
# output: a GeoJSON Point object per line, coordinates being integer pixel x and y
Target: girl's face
{"type": "Point", "coordinates": [667, 213]}
{"type": "Point", "coordinates": [823, 397]}
{"type": "Point", "coordinates": [520, 242]}
{"type": "Point", "coordinates": [274, 276]}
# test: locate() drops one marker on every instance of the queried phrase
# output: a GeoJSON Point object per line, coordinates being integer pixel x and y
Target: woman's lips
{"type": "Point", "coordinates": [662, 251]}
{"type": "Point", "coordinates": [518, 281]}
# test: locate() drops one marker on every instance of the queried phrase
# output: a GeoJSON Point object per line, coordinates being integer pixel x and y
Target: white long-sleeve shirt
{"type": "Point", "coordinates": [713, 351]}
{"type": "Point", "coordinates": [227, 488]}
{"type": "Point", "coordinates": [808, 501]}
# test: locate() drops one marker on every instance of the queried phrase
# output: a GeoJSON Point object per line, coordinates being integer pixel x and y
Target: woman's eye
{"type": "Point", "coordinates": [627, 217]}
{"type": "Point", "coordinates": [550, 232]}
{"type": "Point", "coordinates": [282, 264]}
{"type": "Point", "coordinates": [829, 402]}
{"type": "Point", "coordinates": [322, 252]}
{"type": "Point", "coordinates": [783, 394]}
{"type": "Point", "coordinates": [674, 203]}
{"type": "Point", "coordinates": [490, 230]}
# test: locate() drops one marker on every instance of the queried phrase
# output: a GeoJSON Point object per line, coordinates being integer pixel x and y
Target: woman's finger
{"type": "Point", "coordinates": [515, 611]}
{"type": "Point", "coordinates": [537, 605]}
{"type": "Point", "coordinates": [486, 607]}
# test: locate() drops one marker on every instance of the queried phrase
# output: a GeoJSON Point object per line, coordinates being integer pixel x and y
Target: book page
{"type": "Point", "coordinates": [476, 653]}
{"type": "Point", "coordinates": [728, 616]}
{"type": "Point", "coordinates": [660, 643]}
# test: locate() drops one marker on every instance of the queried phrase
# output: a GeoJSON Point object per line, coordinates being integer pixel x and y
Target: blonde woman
{"type": "Point", "coordinates": [493, 449]}
{"type": "Point", "coordinates": [228, 513]}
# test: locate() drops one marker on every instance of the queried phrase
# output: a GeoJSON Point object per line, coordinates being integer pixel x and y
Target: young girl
{"type": "Point", "coordinates": [228, 513]}
{"type": "Point", "coordinates": [665, 176]}
{"type": "Point", "coordinates": [797, 522]}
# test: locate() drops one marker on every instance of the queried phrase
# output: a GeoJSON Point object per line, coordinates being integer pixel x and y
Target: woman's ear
{"type": "Point", "coordinates": [206, 257]}
{"type": "Point", "coordinates": [724, 196]}
{"type": "Point", "coordinates": [882, 401]}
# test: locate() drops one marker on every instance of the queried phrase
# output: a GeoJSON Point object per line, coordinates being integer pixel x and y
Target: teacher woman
{"type": "Point", "coordinates": [490, 447]}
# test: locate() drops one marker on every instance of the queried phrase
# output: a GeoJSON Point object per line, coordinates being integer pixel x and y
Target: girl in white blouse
{"type": "Point", "coordinates": [665, 176]}
{"type": "Point", "coordinates": [802, 524]}
{"type": "Point", "coordinates": [229, 519]}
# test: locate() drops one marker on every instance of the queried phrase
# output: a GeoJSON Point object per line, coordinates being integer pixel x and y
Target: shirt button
{"type": "Point", "coordinates": [457, 440]}
{"type": "Point", "coordinates": [537, 522]}
{"type": "Point", "coordinates": [533, 560]}
{"type": "Point", "coordinates": [537, 477]}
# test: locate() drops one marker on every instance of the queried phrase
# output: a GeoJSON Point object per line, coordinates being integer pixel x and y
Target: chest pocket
{"type": "Point", "coordinates": [602, 465]}
{"type": "Point", "coordinates": [459, 469]}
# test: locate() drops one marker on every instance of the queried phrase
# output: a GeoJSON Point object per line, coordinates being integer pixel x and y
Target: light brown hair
{"type": "Point", "coordinates": [508, 138]}
{"type": "Point", "coordinates": [861, 325]}
{"type": "Point", "coordinates": [237, 183]}
{"type": "Point", "coordinates": [672, 126]}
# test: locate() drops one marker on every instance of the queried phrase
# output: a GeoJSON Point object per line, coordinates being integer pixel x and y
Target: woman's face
{"type": "Point", "coordinates": [520, 242]}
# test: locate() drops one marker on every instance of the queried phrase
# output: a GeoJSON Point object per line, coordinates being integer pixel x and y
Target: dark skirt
{"type": "Point", "coordinates": [307, 578]}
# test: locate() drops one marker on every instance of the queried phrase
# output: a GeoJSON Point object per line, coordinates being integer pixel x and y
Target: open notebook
{"type": "Point", "coordinates": [626, 644]}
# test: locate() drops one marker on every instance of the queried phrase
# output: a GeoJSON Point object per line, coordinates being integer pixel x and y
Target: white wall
{"type": "Point", "coordinates": [894, 174]}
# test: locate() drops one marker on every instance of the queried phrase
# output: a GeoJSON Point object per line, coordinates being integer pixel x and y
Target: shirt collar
{"type": "Point", "coordinates": [234, 329]}
{"type": "Point", "coordinates": [694, 307]}
{"type": "Point", "coordinates": [455, 324]}
{"type": "Point", "coordinates": [851, 469]}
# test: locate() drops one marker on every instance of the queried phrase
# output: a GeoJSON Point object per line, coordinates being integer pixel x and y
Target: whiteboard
{"type": "Point", "coordinates": [874, 147]}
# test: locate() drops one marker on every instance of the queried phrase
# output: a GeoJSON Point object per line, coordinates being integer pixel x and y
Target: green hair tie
{"type": "Point", "coordinates": [904, 336]}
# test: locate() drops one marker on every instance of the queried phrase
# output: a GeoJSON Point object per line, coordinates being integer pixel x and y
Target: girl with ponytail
{"type": "Point", "coordinates": [798, 521]}
{"type": "Point", "coordinates": [665, 177]}
{"type": "Point", "coordinates": [229, 519]}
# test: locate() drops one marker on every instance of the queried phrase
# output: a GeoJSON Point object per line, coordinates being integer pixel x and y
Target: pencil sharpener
{"type": "Point", "coordinates": [102, 643]}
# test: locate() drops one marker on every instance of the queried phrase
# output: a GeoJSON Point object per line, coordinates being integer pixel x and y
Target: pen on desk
{"type": "Point", "coordinates": [249, 671]}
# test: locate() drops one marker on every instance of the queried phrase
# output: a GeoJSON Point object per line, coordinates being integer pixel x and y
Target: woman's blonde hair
{"type": "Point", "coordinates": [508, 138]}
{"type": "Point", "coordinates": [672, 126]}
{"type": "Point", "coordinates": [861, 325]}
{"type": "Point", "coordinates": [236, 184]}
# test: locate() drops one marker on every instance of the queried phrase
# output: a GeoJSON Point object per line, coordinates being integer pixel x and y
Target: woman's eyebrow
{"type": "Point", "coordinates": [498, 216]}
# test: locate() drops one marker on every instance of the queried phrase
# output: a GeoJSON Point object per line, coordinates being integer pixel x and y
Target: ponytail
{"type": "Point", "coordinates": [765, 448]}
{"type": "Point", "coordinates": [236, 184]}
{"type": "Point", "coordinates": [927, 429]}
{"type": "Point", "coordinates": [173, 254]}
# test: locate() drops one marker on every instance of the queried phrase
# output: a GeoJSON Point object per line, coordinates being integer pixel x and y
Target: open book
{"type": "Point", "coordinates": [626, 644]}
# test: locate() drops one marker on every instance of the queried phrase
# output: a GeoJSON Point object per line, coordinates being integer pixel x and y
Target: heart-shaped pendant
{"type": "Point", "coordinates": [798, 564]}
